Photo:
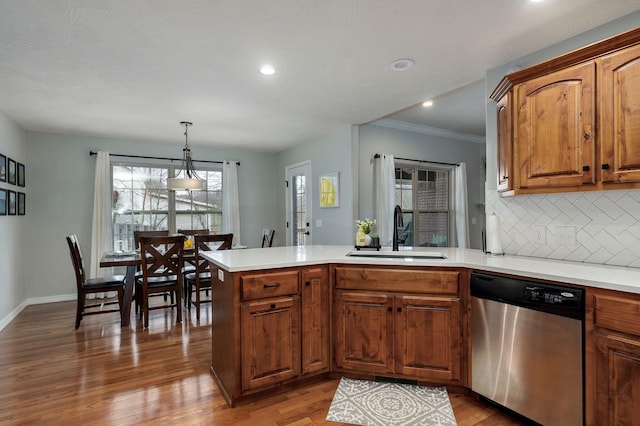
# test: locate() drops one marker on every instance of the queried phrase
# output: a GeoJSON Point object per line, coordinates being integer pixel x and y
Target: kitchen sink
{"type": "Point", "coordinates": [401, 254]}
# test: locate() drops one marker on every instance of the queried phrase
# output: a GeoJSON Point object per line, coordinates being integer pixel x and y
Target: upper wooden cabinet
{"type": "Point", "coordinates": [505, 137]}
{"type": "Point", "coordinates": [572, 123]}
{"type": "Point", "coordinates": [619, 101]}
{"type": "Point", "coordinates": [554, 134]}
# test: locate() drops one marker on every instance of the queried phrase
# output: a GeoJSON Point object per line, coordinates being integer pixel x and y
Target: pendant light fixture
{"type": "Point", "coordinates": [187, 179]}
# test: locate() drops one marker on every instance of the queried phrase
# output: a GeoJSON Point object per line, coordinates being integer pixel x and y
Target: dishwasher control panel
{"type": "Point", "coordinates": [551, 296]}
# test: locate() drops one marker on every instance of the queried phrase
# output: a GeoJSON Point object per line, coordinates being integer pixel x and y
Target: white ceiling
{"type": "Point", "coordinates": [132, 69]}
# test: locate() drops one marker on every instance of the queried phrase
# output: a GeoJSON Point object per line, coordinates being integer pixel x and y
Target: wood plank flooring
{"type": "Point", "coordinates": [102, 374]}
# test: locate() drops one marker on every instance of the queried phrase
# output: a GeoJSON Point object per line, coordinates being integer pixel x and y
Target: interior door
{"type": "Point", "coordinates": [298, 199]}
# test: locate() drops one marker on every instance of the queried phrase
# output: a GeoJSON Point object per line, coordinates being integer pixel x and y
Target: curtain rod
{"type": "Point", "coordinates": [422, 161]}
{"type": "Point", "coordinates": [91, 153]}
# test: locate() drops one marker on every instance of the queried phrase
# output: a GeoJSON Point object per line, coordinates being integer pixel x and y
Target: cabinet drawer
{"type": "Point", "coordinates": [402, 280]}
{"type": "Point", "coordinates": [259, 286]}
{"type": "Point", "coordinates": [617, 313]}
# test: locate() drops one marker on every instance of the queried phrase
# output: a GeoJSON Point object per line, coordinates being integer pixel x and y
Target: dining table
{"type": "Point", "coordinates": [131, 260]}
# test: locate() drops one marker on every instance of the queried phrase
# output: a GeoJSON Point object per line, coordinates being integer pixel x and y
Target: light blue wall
{"type": "Point", "coordinates": [60, 176]}
{"type": "Point", "coordinates": [377, 139]}
{"type": "Point", "coordinates": [12, 242]}
{"type": "Point", "coordinates": [328, 154]}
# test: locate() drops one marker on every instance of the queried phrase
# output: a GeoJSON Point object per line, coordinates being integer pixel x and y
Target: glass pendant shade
{"type": "Point", "coordinates": [187, 179]}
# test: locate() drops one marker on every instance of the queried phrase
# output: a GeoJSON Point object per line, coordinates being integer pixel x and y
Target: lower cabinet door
{"type": "Point", "coordinates": [363, 333]}
{"type": "Point", "coordinates": [315, 320]}
{"type": "Point", "coordinates": [428, 336]}
{"type": "Point", "coordinates": [617, 380]}
{"type": "Point", "coordinates": [270, 341]}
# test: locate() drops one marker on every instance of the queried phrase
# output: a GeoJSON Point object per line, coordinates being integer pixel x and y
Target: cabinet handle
{"type": "Point", "coordinates": [273, 306]}
{"type": "Point", "coordinates": [389, 309]}
{"type": "Point", "coordinates": [587, 136]}
{"type": "Point", "coordinates": [308, 283]}
{"type": "Point", "coordinates": [505, 177]}
{"type": "Point", "coordinates": [399, 309]}
{"type": "Point", "coordinates": [605, 166]}
{"type": "Point", "coordinates": [585, 168]}
{"type": "Point", "coordinates": [276, 285]}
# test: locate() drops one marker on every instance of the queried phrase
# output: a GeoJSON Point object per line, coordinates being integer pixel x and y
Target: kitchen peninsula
{"type": "Point", "coordinates": [283, 314]}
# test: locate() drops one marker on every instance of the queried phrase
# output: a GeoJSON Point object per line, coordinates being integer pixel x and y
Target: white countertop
{"type": "Point", "coordinates": [593, 275]}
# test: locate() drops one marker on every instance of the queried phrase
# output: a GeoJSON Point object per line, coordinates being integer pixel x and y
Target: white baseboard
{"type": "Point", "coordinates": [34, 301]}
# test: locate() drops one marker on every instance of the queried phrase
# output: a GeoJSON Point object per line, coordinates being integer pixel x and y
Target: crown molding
{"type": "Point", "coordinates": [428, 130]}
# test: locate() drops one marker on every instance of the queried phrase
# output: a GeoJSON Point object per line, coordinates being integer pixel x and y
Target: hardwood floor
{"type": "Point", "coordinates": [102, 374]}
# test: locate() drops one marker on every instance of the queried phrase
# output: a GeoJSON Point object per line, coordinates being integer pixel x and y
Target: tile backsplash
{"type": "Point", "coordinates": [595, 227]}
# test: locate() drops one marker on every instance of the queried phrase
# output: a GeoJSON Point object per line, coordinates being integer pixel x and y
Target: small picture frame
{"type": "Point", "coordinates": [22, 204]}
{"type": "Point", "coordinates": [3, 168]}
{"type": "Point", "coordinates": [11, 171]}
{"type": "Point", "coordinates": [20, 172]}
{"type": "Point", "coordinates": [12, 203]}
{"type": "Point", "coordinates": [3, 202]}
{"type": "Point", "coordinates": [330, 190]}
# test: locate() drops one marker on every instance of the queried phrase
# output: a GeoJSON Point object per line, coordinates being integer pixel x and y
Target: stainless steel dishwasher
{"type": "Point", "coordinates": [527, 347]}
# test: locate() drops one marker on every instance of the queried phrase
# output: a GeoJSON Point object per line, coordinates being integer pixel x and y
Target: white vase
{"type": "Point", "coordinates": [367, 239]}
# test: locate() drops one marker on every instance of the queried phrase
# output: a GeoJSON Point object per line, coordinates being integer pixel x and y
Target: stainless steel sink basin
{"type": "Point", "coordinates": [401, 254]}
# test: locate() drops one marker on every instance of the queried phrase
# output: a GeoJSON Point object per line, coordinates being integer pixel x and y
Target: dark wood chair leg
{"type": "Point", "coordinates": [79, 308]}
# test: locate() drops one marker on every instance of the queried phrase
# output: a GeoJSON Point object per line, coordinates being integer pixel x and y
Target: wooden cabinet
{"type": "Point", "coordinates": [555, 128]}
{"type": "Point", "coordinates": [619, 101]}
{"type": "Point", "coordinates": [269, 327]}
{"type": "Point", "coordinates": [399, 322]}
{"type": "Point", "coordinates": [572, 122]}
{"type": "Point", "coordinates": [505, 142]}
{"type": "Point", "coordinates": [616, 318]}
{"type": "Point", "coordinates": [270, 341]}
{"type": "Point", "coordinates": [315, 320]}
{"type": "Point", "coordinates": [428, 333]}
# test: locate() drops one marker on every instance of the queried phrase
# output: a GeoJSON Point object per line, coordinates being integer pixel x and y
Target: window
{"type": "Point", "coordinates": [141, 201]}
{"type": "Point", "coordinates": [425, 197]}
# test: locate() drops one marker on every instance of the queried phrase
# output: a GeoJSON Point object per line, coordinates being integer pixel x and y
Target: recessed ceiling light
{"type": "Point", "coordinates": [427, 103]}
{"type": "Point", "coordinates": [268, 70]}
{"type": "Point", "coordinates": [402, 64]}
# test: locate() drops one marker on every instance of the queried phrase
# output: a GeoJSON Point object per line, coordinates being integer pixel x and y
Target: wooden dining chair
{"type": "Point", "coordinates": [86, 285]}
{"type": "Point", "coordinates": [162, 261]}
{"type": "Point", "coordinates": [136, 240]}
{"type": "Point", "coordinates": [200, 279]}
{"type": "Point", "coordinates": [267, 237]}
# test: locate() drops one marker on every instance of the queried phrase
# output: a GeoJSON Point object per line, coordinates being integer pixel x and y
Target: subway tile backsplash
{"type": "Point", "coordinates": [595, 227]}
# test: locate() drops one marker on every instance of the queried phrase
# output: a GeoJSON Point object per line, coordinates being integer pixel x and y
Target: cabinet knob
{"type": "Point", "coordinates": [399, 309]}
{"type": "Point", "coordinates": [308, 283]}
{"type": "Point", "coordinates": [587, 136]}
{"type": "Point", "coordinates": [389, 309]}
{"type": "Point", "coordinates": [505, 177]}
{"type": "Point", "coordinates": [605, 166]}
{"type": "Point", "coordinates": [585, 168]}
{"type": "Point", "coordinates": [273, 306]}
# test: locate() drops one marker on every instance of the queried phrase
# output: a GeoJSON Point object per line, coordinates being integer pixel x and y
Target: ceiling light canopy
{"type": "Point", "coordinates": [402, 64]}
{"type": "Point", "coordinates": [187, 179]}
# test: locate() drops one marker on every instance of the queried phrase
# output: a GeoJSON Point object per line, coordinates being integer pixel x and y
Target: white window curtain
{"type": "Point", "coordinates": [101, 229]}
{"type": "Point", "coordinates": [230, 204]}
{"type": "Point", "coordinates": [385, 197]}
{"type": "Point", "coordinates": [461, 207]}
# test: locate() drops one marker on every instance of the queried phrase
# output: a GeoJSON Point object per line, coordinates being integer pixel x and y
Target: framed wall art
{"type": "Point", "coordinates": [330, 190]}
{"type": "Point", "coordinates": [11, 171]}
{"type": "Point", "coordinates": [3, 168]}
{"type": "Point", "coordinates": [12, 203]}
{"type": "Point", "coordinates": [20, 174]}
{"type": "Point", "coordinates": [22, 203]}
{"type": "Point", "coordinates": [3, 202]}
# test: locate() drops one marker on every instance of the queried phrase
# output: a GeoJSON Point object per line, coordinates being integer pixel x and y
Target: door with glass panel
{"type": "Point", "coordinates": [298, 199]}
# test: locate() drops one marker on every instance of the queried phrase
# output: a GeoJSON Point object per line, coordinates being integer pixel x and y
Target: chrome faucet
{"type": "Point", "coordinates": [397, 223]}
